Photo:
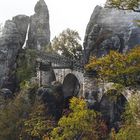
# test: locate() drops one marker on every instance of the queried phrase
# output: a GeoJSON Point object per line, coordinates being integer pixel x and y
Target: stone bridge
{"type": "Point", "coordinates": [75, 82]}
{"type": "Point", "coordinates": [69, 72]}
{"type": "Point", "coordinates": [53, 67]}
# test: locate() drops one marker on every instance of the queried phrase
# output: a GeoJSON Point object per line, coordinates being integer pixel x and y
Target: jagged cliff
{"type": "Point", "coordinates": [111, 29]}
{"type": "Point", "coordinates": [9, 48]}
{"type": "Point", "coordinates": [13, 38]}
{"type": "Point", "coordinates": [39, 33]}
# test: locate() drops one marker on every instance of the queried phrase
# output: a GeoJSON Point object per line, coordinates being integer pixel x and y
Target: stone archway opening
{"type": "Point", "coordinates": [70, 88]}
{"type": "Point", "coordinates": [112, 106]}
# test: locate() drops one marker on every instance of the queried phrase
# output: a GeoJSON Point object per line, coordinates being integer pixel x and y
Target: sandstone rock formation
{"type": "Point", "coordinates": [21, 22]}
{"type": "Point", "coordinates": [13, 38]}
{"type": "Point", "coordinates": [6, 94]}
{"type": "Point", "coordinates": [9, 49]}
{"type": "Point", "coordinates": [39, 33]}
{"type": "Point", "coordinates": [52, 97]}
{"type": "Point", "coordinates": [111, 29]}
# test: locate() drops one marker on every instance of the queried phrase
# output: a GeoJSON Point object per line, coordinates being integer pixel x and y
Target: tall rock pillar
{"type": "Point", "coordinates": [39, 33]}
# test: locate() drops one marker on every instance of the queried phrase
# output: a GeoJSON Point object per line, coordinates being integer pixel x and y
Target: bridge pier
{"type": "Point", "coordinates": [45, 74]}
{"type": "Point", "coordinates": [93, 91]}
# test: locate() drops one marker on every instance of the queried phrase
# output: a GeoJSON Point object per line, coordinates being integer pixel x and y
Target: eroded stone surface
{"type": "Point", "coordinates": [111, 29]}
{"type": "Point", "coordinates": [9, 49]}
{"type": "Point", "coordinates": [39, 33]}
{"type": "Point", "coordinates": [52, 97]}
{"type": "Point", "coordinates": [21, 22]}
{"type": "Point", "coordinates": [13, 38]}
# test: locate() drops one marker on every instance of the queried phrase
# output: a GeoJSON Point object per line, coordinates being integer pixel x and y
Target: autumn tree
{"type": "Point", "coordinates": [11, 117]}
{"type": "Point", "coordinates": [13, 112]}
{"type": "Point", "coordinates": [124, 4]}
{"type": "Point", "coordinates": [38, 124]}
{"type": "Point", "coordinates": [118, 68]}
{"type": "Point", "coordinates": [67, 44]}
{"type": "Point", "coordinates": [80, 124]}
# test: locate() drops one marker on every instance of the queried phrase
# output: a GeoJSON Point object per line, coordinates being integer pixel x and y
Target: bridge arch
{"type": "Point", "coordinates": [126, 92]}
{"type": "Point", "coordinates": [112, 106]}
{"type": "Point", "coordinates": [71, 86]}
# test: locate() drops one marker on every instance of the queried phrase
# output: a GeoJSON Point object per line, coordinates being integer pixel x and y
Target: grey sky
{"type": "Point", "coordinates": [64, 14]}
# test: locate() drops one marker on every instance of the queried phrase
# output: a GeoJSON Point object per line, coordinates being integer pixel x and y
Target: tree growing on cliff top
{"type": "Point", "coordinates": [124, 4]}
{"type": "Point", "coordinates": [67, 44]}
{"type": "Point", "coordinates": [118, 68]}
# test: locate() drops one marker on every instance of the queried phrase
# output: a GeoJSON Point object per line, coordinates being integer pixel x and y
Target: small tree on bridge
{"type": "Point", "coordinates": [67, 44]}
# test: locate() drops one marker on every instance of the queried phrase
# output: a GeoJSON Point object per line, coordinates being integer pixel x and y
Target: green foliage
{"type": "Point", "coordinates": [124, 4]}
{"type": "Point", "coordinates": [131, 126]}
{"type": "Point", "coordinates": [67, 44]}
{"type": "Point", "coordinates": [14, 111]}
{"type": "Point", "coordinates": [81, 123]}
{"type": "Point", "coordinates": [129, 132]}
{"type": "Point", "coordinates": [114, 92]}
{"type": "Point", "coordinates": [26, 65]}
{"type": "Point", "coordinates": [38, 123]}
{"type": "Point", "coordinates": [118, 68]}
{"type": "Point", "coordinates": [11, 117]}
{"type": "Point", "coordinates": [132, 114]}
{"type": "Point", "coordinates": [24, 84]}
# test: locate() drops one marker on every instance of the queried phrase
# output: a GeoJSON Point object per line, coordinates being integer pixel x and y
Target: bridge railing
{"type": "Point", "coordinates": [61, 61]}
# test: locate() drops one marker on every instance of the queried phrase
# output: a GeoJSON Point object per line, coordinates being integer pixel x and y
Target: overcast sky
{"type": "Point", "coordinates": [73, 14]}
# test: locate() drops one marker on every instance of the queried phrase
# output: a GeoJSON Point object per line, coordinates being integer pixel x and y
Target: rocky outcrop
{"type": "Point", "coordinates": [52, 97]}
{"type": "Point", "coordinates": [13, 38]}
{"type": "Point", "coordinates": [9, 48]}
{"type": "Point", "coordinates": [111, 29]}
{"type": "Point", "coordinates": [39, 33]}
{"type": "Point", "coordinates": [6, 94]}
{"type": "Point", "coordinates": [21, 22]}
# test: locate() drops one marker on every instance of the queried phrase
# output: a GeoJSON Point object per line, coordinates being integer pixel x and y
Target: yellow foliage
{"type": "Point", "coordinates": [81, 123]}
{"type": "Point", "coordinates": [117, 67]}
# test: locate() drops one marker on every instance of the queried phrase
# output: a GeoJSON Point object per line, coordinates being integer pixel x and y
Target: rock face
{"type": "Point", "coordinates": [21, 22]}
{"type": "Point", "coordinates": [39, 33]}
{"type": "Point", "coordinates": [6, 94]}
{"type": "Point", "coordinates": [9, 48]}
{"type": "Point", "coordinates": [13, 38]}
{"type": "Point", "coordinates": [111, 29]}
{"type": "Point", "coordinates": [52, 97]}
